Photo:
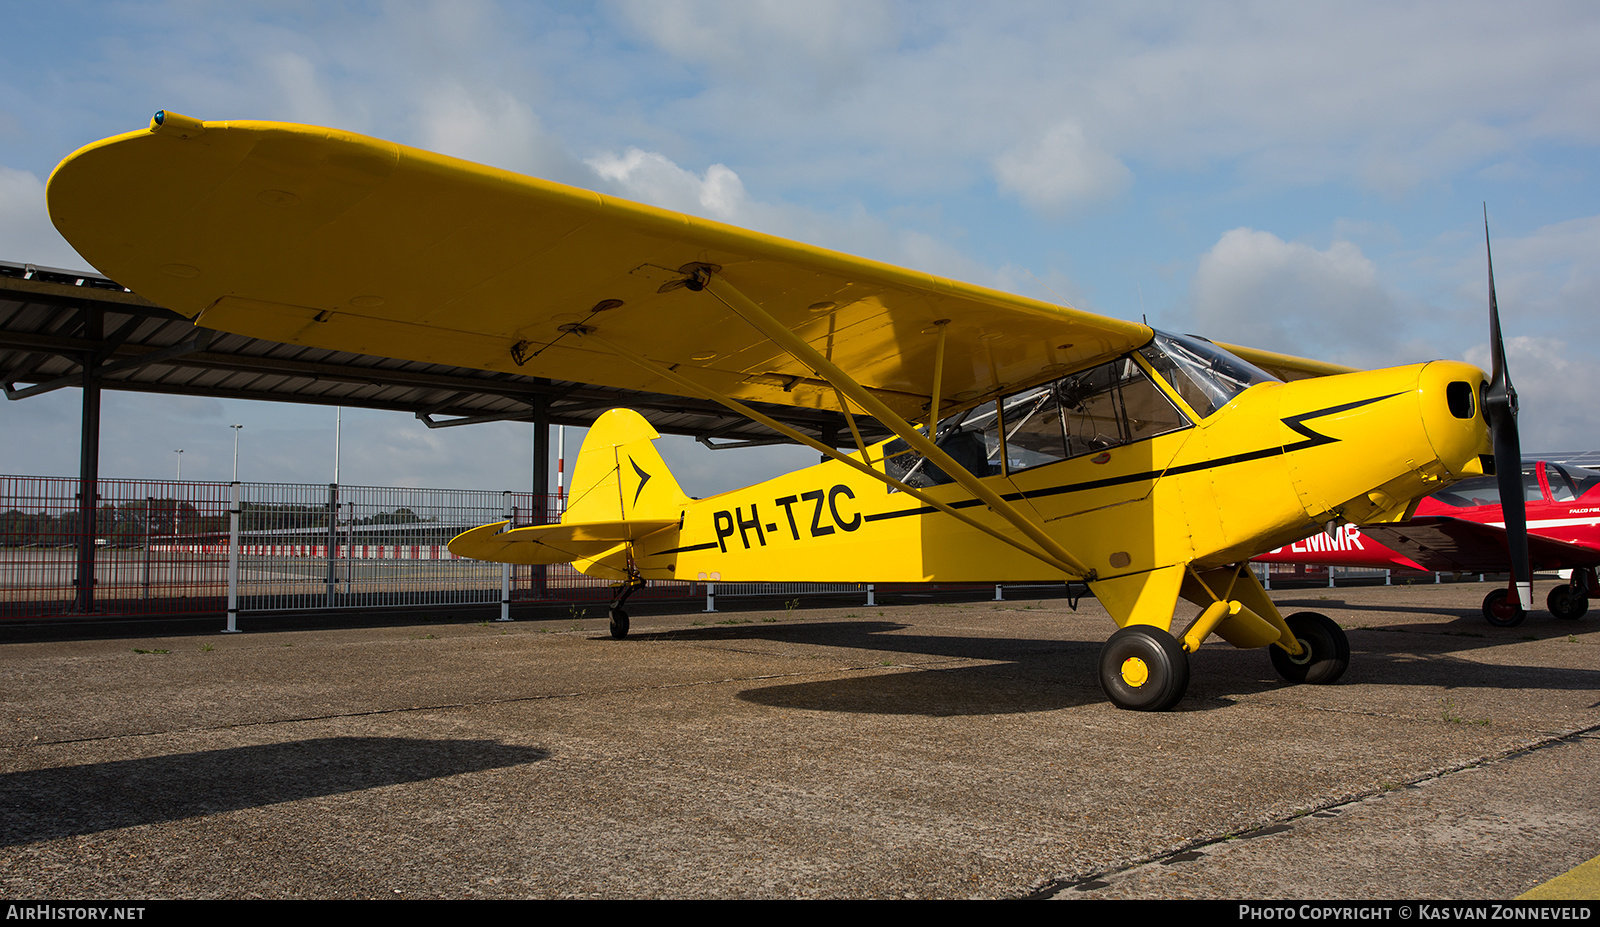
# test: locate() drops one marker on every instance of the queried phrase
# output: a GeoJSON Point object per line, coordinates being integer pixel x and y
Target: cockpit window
{"type": "Point", "coordinates": [1568, 485]}
{"type": "Point", "coordinates": [1206, 376]}
{"type": "Point", "coordinates": [1094, 410]}
{"type": "Point", "coordinates": [1485, 490]}
{"type": "Point", "coordinates": [971, 438]}
{"type": "Point", "coordinates": [1086, 412]}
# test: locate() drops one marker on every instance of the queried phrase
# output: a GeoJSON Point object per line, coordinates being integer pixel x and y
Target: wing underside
{"type": "Point", "coordinates": [313, 236]}
{"type": "Point", "coordinates": [1454, 545]}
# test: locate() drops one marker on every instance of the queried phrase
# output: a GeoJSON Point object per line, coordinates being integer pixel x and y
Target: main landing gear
{"type": "Point", "coordinates": [1567, 603]}
{"type": "Point", "coordinates": [1143, 668]}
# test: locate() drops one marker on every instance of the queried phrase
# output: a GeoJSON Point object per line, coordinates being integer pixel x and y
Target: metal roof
{"type": "Point", "coordinates": [53, 322]}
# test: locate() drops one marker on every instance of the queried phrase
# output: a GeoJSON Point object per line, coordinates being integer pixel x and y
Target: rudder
{"type": "Point", "coordinates": [619, 475]}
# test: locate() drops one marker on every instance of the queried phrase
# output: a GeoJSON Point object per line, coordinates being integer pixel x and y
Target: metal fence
{"type": "Point", "coordinates": [163, 548]}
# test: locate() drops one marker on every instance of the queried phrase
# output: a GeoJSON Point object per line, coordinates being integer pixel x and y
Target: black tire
{"type": "Point", "coordinates": [619, 623]}
{"type": "Point", "coordinates": [1143, 668]}
{"type": "Point", "coordinates": [1566, 603]}
{"type": "Point", "coordinates": [1326, 651]}
{"type": "Point", "coordinates": [1501, 610]}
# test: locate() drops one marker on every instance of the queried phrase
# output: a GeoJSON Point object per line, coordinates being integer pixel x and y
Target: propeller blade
{"type": "Point", "coordinates": [1500, 408]}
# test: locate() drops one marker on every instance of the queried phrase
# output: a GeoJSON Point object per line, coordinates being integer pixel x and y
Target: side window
{"type": "Point", "coordinates": [1087, 412]}
{"type": "Point", "coordinates": [971, 438]}
{"type": "Point", "coordinates": [1084, 413]}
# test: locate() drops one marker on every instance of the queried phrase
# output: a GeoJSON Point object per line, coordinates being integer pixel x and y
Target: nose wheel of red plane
{"type": "Point", "coordinates": [1501, 610]}
{"type": "Point", "coordinates": [1324, 650]}
{"type": "Point", "coordinates": [1143, 668]}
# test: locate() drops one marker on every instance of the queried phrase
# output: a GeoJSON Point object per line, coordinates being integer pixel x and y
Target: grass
{"type": "Point", "coordinates": [1448, 713]}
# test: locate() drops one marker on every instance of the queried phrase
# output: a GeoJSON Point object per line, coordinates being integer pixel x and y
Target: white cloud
{"type": "Point", "coordinates": [653, 178]}
{"type": "Point", "coordinates": [26, 235]}
{"type": "Point", "coordinates": [1060, 171]}
{"type": "Point", "coordinates": [1556, 383]}
{"type": "Point", "coordinates": [1255, 288]}
{"type": "Point", "coordinates": [490, 126]}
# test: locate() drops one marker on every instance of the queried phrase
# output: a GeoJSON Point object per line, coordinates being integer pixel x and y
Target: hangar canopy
{"type": "Point", "coordinates": [59, 326]}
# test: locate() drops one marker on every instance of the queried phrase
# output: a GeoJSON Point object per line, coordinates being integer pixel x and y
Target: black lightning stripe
{"type": "Point", "coordinates": [643, 479]}
{"type": "Point", "coordinates": [1295, 423]}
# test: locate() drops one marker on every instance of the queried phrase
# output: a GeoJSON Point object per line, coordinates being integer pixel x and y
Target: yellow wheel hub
{"type": "Point", "coordinates": [1134, 672]}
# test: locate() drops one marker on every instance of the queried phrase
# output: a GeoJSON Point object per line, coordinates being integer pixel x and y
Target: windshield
{"type": "Point", "coordinates": [1206, 376]}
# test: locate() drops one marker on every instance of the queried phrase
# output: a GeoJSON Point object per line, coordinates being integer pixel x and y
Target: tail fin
{"type": "Point", "coordinates": [619, 475]}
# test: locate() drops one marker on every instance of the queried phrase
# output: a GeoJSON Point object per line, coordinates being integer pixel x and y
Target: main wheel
{"type": "Point", "coordinates": [1565, 602]}
{"type": "Point", "coordinates": [1501, 610]}
{"type": "Point", "coordinates": [619, 623]}
{"type": "Point", "coordinates": [1143, 668]}
{"type": "Point", "coordinates": [1325, 650]}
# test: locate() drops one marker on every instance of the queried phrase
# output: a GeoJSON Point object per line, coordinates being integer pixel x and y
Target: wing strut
{"type": "Point", "coordinates": [800, 350]}
{"type": "Point", "coordinates": [790, 433]}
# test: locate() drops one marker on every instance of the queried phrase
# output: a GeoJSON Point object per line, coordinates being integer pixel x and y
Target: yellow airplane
{"type": "Point", "coordinates": [1034, 442]}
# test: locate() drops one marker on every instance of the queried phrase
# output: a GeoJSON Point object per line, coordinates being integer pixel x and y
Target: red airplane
{"type": "Point", "coordinates": [1462, 530]}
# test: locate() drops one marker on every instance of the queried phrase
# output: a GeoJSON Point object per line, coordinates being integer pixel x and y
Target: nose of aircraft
{"type": "Point", "coordinates": [1449, 396]}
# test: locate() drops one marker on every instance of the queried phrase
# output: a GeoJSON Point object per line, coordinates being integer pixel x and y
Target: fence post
{"type": "Point", "coordinates": [870, 600]}
{"type": "Point", "coordinates": [711, 597]}
{"type": "Point", "coordinates": [333, 540]}
{"type": "Point", "coordinates": [999, 596]}
{"type": "Point", "coordinates": [234, 509]}
{"type": "Point", "coordinates": [505, 568]}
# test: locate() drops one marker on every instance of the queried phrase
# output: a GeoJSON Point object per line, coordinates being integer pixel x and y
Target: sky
{"type": "Point", "coordinates": [1307, 178]}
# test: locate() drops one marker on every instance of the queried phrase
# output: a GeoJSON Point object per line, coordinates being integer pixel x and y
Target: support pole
{"type": "Point", "coordinates": [541, 484]}
{"type": "Point", "coordinates": [505, 568]}
{"type": "Point", "coordinates": [89, 467]}
{"type": "Point", "coordinates": [234, 510]}
{"type": "Point", "coordinates": [333, 538]}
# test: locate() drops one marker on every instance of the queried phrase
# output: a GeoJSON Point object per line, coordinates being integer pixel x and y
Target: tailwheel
{"type": "Point", "coordinates": [1324, 650]}
{"type": "Point", "coordinates": [619, 623]}
{"type": "Point", "coordinates": [1501, 610]}
{"type": "Point", "coordinates": [1143, 668]}
{"type": "Point", "coordinates": [1567, 603]}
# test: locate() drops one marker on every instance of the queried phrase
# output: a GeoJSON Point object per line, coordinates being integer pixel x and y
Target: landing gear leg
{"type": "Point", "coordinates": [618, 617]}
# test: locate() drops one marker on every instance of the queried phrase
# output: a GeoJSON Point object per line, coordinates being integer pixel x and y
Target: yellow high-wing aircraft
{"type": "Point", "coordinates": [1033, 441]}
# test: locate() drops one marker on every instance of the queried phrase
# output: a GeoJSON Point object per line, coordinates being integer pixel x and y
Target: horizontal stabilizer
{"type": "Point", "coordinates": [546, 544]}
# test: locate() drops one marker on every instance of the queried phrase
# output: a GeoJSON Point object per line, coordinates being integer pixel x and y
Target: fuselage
{"type": "Point", "coordinates": [1158, 473]}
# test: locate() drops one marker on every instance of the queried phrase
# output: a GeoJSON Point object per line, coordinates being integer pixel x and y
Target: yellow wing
{"type": "Point", "coordinates": [325, 238]}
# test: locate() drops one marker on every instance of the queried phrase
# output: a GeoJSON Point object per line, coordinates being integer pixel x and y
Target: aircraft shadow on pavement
{"type": "Point", "coordinates": [1034, 675]}
{"type": "Point", "coordinates": [46, 804]}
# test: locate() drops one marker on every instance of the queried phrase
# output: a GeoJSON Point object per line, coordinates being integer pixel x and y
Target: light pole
{"type": "Point", "coordinates": [236, 451]}
{"type": "Point", "coordinates": [179, 452]}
